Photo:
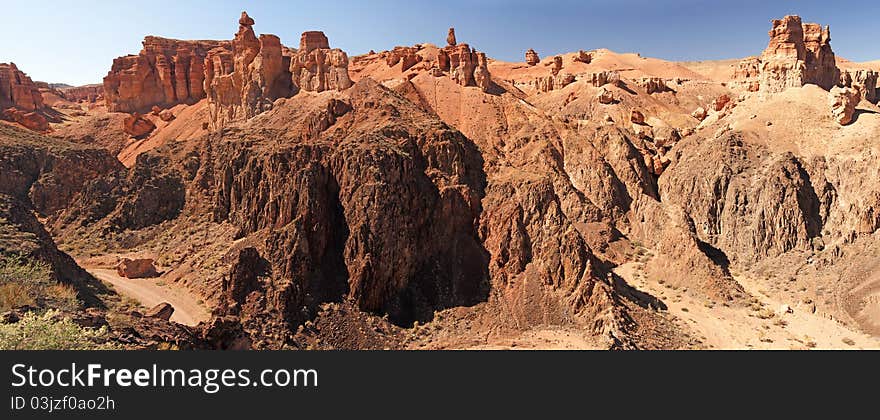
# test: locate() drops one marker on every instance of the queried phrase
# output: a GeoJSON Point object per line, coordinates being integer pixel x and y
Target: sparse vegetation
{"type": "Point", "coordinates": [25, 282]}
{"type": "Point", "coordinates": [47, 332]}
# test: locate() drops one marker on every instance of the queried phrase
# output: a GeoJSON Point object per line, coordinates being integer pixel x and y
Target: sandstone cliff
{"type": "Point", "coordinates": [18, 90]}
{"type": "Point", "coordinates": [316, 67]}
{"type": "Point", "coordinates": [166, 72]}
{"type": "Point", "coordinates": [244, 82]}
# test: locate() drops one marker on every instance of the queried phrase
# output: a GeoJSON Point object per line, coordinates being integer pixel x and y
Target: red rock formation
{"type": "Point", "coordinates": [748, 68]}
{"type": "Point", "coordinates": [603, 78]}
{"type": "Point", "coordinates": [605, 96]}
{"type": "Point", "coordinates": [18, 90]}
{"type": "Point", "coordinates": [408, 56]}
{"type": "Point", "coordinates": [450, 38]}
{"type": "Point", "coordinates": [86, 93]}
{"type": "Point", "coordinates": [30, 120]}
{"type": "Point", "coordinates": [136, 125]}
{"type": "Point", "coordinates": [719, 103]}
{"type": "Point", "coordinates": [652, 84]}
{"type": "Point", "coordinates": [557, 65]}
{"type": "Point", "coordinates": [532, 58]}
{"type": "Point", "coordinates": [582, 56]}
{"type": "Point", "coordinates": [244, 83]}
{"type": "Point", "coordinates": [865, 81]}
{"type": "Point", "coordinates": [843, 103]}
{"type": "Point", "coordinates": [315, 67]}
{"type": "Point", "coordinates": [465, 65]}
{"type": "Point", "coordinates": [165, 73]}
{"type": "Point", "coordinates": [551, 82]}
{"type": "Point", "coordinates": [798, 54]}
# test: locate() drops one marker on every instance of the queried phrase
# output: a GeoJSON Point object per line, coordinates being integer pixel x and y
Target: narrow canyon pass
{"type": "Point", "coordinates": [259, 193]}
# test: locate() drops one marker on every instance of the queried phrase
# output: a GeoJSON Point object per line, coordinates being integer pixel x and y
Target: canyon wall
{"type": "Point", "coordinates": [165, 73]}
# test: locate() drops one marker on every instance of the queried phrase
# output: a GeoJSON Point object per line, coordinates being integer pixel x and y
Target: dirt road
{"type": "Point", "coordinates": [150, 292]}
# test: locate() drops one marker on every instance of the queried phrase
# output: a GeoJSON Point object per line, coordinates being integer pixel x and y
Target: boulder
{"type": "Point", "coordinates": [450, 38]}
{"type": "Point", "coordinates": [163, 311]}
{"type": "Point", "coordinates": [166, 115]}
{"type": "Point", "coordinates": [637, 118]}
{"type": "Point", "coordinates": [700, 113]}
{"type": "Point", "coordinates": [136, 268]}
{"type": "Point", "coordinates": [136, 125]}
{"type": "Point", "coordinates": [30, 120]}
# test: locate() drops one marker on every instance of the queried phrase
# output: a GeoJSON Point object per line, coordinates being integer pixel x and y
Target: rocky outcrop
{"type": "Point", "coordinates": [553, 82]}
{"type": "Point", "coordinates": [556, 65]}
{"type": "Point", "coordinates": [316, 67]}
{"type": "Point", "coordinates": [465, 65]}
{"type": "Point", "coordinates": [843, 103]}
{"type": "Point", "coordinates": [720, 103]}
{"type": "Point", "coordinates": [406, 56]}
{"type": "Point", "coordinates": [30, 120]}
{"type": "Point", "coordinates": [166, 72]}
{"type": "Point", "coordinates": [532, 58]}
{"type": "Point", "coordinates": [136, 268]}
{"type": "Point", "coordinates": [85, 93]}
{"type": "Point", "coordinates": [748, 68]}
{"type": "Point", "coordinates": [603, 78]}
{"type": "Point", "coordinates": [582, 56]}
{"type": "Point", "coordinates": [450, 38]}
{"type": "Point", "coordinates": [245, 82]}
{"type": "Point", "coordinates": [865, 81]}
{"type": "Point", "coordinates": [798, 54]}
{"type": "Point", "coordinates": [652, 84]}
{"type": "Point", "coordinates": [18, 90]}
{"type": "Point", "coordinates": [605, 96]}
{"type": "Point", "coordinates": [137, 125]}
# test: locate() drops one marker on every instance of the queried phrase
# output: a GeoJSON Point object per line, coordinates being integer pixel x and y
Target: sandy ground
{"type": "Point", "coordinates": [763, 325]}
{"type": "Point", "coordinates": [544, 339]}
{"type": "Point", "coordinates": [151, 292]}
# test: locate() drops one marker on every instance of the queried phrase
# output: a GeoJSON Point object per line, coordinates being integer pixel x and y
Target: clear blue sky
{"type": "Point", "coordinates": [75, 41]}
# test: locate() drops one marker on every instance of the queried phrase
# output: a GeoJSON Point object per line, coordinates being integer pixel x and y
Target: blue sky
{"type": "Point", "coordinates": [75, 41]}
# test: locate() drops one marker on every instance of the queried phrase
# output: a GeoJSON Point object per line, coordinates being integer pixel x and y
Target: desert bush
{"type": "Point", "coordinates": [47, 332]}
{"type": "Point", "coordinates": [29, 282]}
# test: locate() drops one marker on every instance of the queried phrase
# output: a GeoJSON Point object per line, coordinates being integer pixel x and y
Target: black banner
{"type": "Point", "coordinates": [375, 384]}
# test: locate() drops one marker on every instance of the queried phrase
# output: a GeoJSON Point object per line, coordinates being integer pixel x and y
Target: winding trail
{"type": "Point", "coordinates": [149, 292]}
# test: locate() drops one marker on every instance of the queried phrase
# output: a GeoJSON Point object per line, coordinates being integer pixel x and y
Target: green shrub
{"type": "Point", "coordinates": [46, 332]}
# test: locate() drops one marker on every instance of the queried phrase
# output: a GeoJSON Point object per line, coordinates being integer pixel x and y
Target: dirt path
{"type": "Point", "coordinates": [151, 292]}
{"type": "Point", "coordinates": [763, 325]}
